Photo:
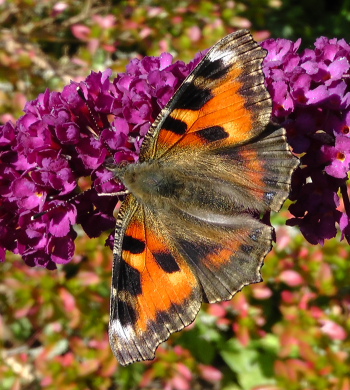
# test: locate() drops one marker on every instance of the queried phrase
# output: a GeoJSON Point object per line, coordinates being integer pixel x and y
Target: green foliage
{"type": "Point", "coordinates": [45, 44]}
{"type": "Point", "coordinates": [310, 19]}
{"type": "Point", "coordinates": [289, 332]}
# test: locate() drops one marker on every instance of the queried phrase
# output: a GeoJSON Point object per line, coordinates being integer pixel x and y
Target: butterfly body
{"type": "Point", "coordinates": [189, 230]}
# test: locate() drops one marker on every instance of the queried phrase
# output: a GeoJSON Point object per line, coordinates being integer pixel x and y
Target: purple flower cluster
{"type": "Point", "coordinates": [67, 136]}
{"type": "Point", "coordinates": [311, 99]}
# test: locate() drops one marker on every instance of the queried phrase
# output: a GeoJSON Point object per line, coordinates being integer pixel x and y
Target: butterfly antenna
{"type": "Point", "coordinates": [69, 201]}
{"type": "Point", "coordinates": [65, 202]}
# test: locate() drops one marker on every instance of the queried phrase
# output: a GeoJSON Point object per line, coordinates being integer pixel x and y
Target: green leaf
{"type": "Point", "coordinates": [251, 367]}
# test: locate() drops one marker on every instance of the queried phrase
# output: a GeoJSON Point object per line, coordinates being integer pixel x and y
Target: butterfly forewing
{"type": "Point", "coordinates": [223, 99]}
{"type": "Point", "coordinates": [190, 232]}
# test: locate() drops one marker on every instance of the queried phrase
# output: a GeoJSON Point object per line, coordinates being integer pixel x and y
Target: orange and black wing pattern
{"type": "Point", "coordinates": [223, 99]}
{"type": "Point", "coordinates": [190, 229]}
{"type": "Point", "coordinates": [153, 293]}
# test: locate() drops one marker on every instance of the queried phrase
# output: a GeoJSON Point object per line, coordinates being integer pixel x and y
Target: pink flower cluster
{"type": "Point", "coordinates": [70, 135]}
{"type": "Point", "coordinates": [73, 134]}
{"type": "Point", "coordinates": [311, 99]}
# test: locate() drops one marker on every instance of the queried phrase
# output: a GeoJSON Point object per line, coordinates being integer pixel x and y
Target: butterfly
{"type": "Point", "coordinates": [189, 230]}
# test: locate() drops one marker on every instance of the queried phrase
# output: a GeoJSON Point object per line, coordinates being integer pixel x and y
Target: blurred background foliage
{"type": "Point", "coordinates": [289, 332]}
{"type": "Point", "coordinates": [45, 44]}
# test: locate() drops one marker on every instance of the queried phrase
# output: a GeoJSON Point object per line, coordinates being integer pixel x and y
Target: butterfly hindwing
{"type": "Point", "coordinates": [163, 273]}
{"type": "Point", "coordinates": [225, 254]}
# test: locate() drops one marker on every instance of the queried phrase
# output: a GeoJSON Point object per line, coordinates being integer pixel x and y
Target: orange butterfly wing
{"type": "Point", "coordinates": [224, 98]}
{"type": "Point", "coordinates": [189, 231]}
{"type": "Point", "coordinates": [150, 287]}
